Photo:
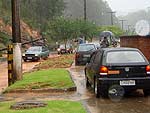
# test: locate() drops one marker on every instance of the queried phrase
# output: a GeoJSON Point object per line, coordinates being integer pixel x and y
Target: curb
{"type": "Point", "coordinates": [41, 90]}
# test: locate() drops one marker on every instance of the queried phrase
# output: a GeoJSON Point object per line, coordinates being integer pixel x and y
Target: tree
{"type": "Point", "coordinates": [65, 29]}
{"type": "Point", "coordinates": [61, 29]}
{"type": "Point", "coordinates": [39, 12]}
{"type": "Point", "coordinates": [88, 29]}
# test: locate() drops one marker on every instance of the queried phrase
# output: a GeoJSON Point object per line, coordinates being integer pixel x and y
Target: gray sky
{"type": "Point", "coordinates": [124, 6]}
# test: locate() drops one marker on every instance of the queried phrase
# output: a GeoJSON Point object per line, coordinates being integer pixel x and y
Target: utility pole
{"type": "Point", "coordinates": [85, 15]}
{"type": "Point", "coordinates": [111, 14]}
{"type": "Point", "coordinates": [16, 35]}
{"type": "Point", "coordinates": [122, 23]}
{"type": "Point", "coordinates": [85, 10]}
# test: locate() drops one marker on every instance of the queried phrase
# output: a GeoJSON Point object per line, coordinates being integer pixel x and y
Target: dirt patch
{"type": "Point", "coordinates": [61, 61]}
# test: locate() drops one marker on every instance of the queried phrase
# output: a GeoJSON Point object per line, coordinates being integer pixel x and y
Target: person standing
{"type": "Point", "coordinates": [105, 42]}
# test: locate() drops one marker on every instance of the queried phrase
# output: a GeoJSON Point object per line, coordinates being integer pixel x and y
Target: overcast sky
{"type": "Point", "coordinates": [125, 6]}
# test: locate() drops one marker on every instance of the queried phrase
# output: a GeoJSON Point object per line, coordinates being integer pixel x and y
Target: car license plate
{"type": "Point", "coordinates": [114, 72]}
{"type": "Point", "coordinates": [29, 57]}
{"type": "Point", "coordinates": [86, 55]}
{"type": "Point", "coordinates": [127, 82]}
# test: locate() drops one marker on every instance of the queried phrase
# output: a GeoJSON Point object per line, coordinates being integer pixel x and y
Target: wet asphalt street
{"type": "Point", "coordinates": [135, 103]}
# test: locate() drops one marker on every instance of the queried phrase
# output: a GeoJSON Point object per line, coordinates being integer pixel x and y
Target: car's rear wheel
{"type": "Point", "coordinates": [96, 88]}
{"type": "Point", "coordinates": [87, 81]}
{"type": "Point", "coordinates": [146, 92]}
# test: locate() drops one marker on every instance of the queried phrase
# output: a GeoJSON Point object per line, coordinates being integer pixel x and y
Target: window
{"type": "Point", "coordinates": [86, 47]}
{"type": "Point", "coordinates": [34, 49]}
{"type": "Point", "coordinates": [124, 57]}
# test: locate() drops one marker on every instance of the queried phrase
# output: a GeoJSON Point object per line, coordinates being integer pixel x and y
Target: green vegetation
{"type": "Point", "coordinates": [63, 61]}
{"type": "Point", "coordinates": [4, 39]}
{"type": "Point", "coordinates": [60, 20]}
{"type": "Point", "coordinates": [67, 29]}
{"type": "Point", "coordinates": [55, 106]}
{"type": "Point", "coordinates": [52, 78]}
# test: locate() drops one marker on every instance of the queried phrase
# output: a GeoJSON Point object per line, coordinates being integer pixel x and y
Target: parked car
{"type": "Point", "coordinates": [62, 49]}
{"type": "Point", "coordinates": [83, 53]}
{"type": "Point", "coordinates": [35, 53]}
{"type": "Point", "coordinates": [126, 68]}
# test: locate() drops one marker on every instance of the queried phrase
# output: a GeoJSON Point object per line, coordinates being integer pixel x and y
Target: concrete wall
{"type": "Point", "coordinates": [140, 42]}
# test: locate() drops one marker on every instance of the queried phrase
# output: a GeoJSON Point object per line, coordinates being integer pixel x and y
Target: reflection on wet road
{"type": "Point", "coordinates": [135, 103]}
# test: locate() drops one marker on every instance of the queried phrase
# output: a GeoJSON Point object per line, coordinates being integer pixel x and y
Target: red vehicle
{"type": "Point", "coordinates": [62, 49]}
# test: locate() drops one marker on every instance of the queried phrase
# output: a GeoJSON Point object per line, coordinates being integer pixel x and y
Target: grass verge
{"type": "Point", "coordinates": [52, 78]}
{"type": "Point", "coordinates": [55, 106]}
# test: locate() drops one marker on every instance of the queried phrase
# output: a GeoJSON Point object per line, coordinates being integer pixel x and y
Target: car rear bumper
{"type": "Point", "coordinates": [140, 82]}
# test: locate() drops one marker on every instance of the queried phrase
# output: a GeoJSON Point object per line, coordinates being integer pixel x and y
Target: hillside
{"type": "Point", "coordinates": [6, 31]}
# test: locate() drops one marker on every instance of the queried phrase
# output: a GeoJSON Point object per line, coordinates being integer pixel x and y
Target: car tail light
{"type": "Point", "coordinates": [148, 69]}
{"type": "Point", "coordinates": [103, 70]}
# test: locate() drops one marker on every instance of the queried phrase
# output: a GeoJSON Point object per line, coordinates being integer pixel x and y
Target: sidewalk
{"type": "Point", "coordinates": [3, 76]}
{"type": "Point", "coordinates": [4, 73]}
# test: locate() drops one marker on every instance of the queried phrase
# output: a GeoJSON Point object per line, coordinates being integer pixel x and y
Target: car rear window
{"type": "Point", "coordinates": [124, 57]}
{"type": "Point", "coordinates": [34, 49]}
{"type": "Point", "coordinates": [86, 47]}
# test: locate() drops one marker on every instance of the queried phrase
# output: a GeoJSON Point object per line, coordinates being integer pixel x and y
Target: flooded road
{"type": "Point", "coordinates": [135, 103]}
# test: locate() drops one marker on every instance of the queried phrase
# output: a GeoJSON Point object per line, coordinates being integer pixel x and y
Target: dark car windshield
{"type": "Point", "coordinates": [34, 49]}
{"type": "Point", "coordinates": [86, 47]}
{"type": "Point", "coordinates": [124, 57]}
